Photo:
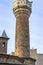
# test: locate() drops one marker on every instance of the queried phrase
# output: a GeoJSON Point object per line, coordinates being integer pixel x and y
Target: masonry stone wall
{"type": "Point", "coordinates": [38, 57]}
{"type": "Point", "coordinates": [9, 59]}
{"type": "Point", "coordinates": [3, 46]}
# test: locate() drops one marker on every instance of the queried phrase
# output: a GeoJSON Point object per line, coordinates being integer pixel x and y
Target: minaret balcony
{"type": "Point", "coordinates": [21, 3]}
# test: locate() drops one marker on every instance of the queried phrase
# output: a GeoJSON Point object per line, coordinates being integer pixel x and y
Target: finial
{"type": "Point", "coordinates": [31, 2]}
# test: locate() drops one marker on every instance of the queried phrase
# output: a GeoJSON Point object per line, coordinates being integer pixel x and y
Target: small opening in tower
{"type": "Point", "coordinates": [3, 44]}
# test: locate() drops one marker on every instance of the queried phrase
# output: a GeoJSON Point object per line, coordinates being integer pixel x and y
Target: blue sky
{"type": "Point", "coordinates": [8, 22]}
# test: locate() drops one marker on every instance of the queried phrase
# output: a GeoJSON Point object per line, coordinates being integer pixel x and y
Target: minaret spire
{"type": "Point", "coordinates": [22, 11]}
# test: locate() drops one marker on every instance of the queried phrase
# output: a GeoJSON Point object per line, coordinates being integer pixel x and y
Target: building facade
{"type": "Point", "coordinates": [37, 56]}
{"type": "Point", "coordinates": [10, 59]}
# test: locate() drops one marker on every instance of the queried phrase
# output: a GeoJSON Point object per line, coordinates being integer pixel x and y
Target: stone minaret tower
{"type": "Point", "coordinates": [22, 11]}
{"type": "Point", "coordinates": [3, 43]}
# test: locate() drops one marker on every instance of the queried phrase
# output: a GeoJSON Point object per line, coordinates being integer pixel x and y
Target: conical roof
{"type": "Point", "coordinates": [4, 35]}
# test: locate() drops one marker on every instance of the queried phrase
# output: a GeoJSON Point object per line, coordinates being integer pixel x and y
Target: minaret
{"type": "Point", "coordinates": [22, 11]}
{"type": "Point", "coordinates": [3, 43]}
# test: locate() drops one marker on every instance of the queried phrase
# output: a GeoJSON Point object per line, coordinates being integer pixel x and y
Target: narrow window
{"type": "Point", "coordinates": [3, 44]}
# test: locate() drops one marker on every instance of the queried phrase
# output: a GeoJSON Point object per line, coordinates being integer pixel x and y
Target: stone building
{"type": "Point", "coordinates": [3, 43]}
{"type": "Point", "coordinates": [37, 56]}
{"type": "Point", "coordinates": [22, 55]}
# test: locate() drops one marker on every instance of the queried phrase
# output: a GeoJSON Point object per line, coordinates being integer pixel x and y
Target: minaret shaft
{"type": "Point", "coordinates": [22, 36]}
{"type": "Point", "coordinates": [22, 11]}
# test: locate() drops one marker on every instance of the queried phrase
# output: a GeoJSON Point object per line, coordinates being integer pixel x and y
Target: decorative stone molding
{"type": "Point", "coordinates": [21, 11]}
